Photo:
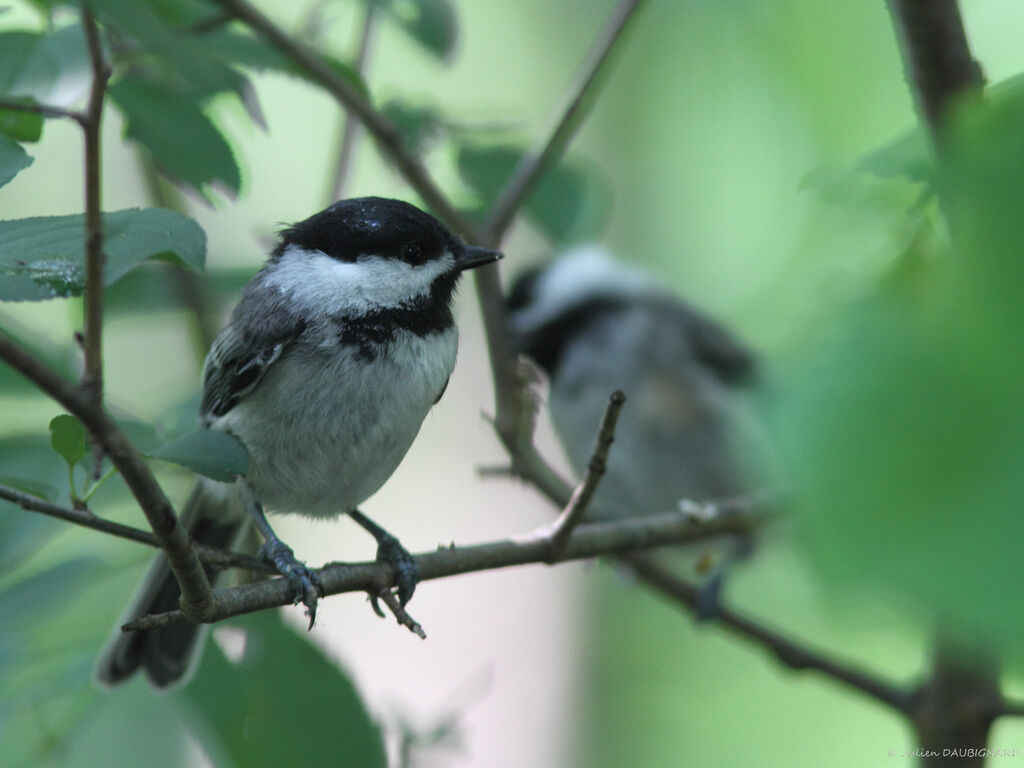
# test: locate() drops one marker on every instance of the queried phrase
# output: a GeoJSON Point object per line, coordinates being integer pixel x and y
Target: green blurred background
{"type": "Point", "coordinates": [720, 156]}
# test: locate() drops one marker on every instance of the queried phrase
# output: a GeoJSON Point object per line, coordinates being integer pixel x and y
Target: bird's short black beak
{"type": "Point", "coordinates": [472, 256]}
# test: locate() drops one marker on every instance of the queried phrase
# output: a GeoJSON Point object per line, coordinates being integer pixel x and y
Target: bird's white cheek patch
{"type": "Point", "coordinates": [316, 281]}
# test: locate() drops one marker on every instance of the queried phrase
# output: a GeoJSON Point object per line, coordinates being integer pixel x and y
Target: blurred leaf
{"type": "Point", "coordinates": [210, 452]}
{"type": "Point", "coordinates": [50, 67]}
{"type": "Point", "coordinates": [252, 52]}
{"type": "Point", "coordinates": [21, 126]}
{"type": "Point", "coordinates": [43, 257]}
{"type": "Point", "coordinates": [45, 593]}
{"type": "Point", "coordinates": [431, 23]}
{"type": "Point", "coordinates": [905, 426]}
{"type": "Point", "coordinates": [417, 124]}
{"type": "Point", "coordinates": [12, 159]}
{"type": "Point", "coordinates": [567, 203]}
{"type": "Point", "coordinates": [31, 486]}
{"type": "Point", "coordinates": [909, 157]}
{"type": "Point", "coordinates": [184, 142]}
{"type": "Point", "coordinates": [21, 532]}
{"type": "Point", "coordinates": [68, 438]}
{"type": "Point", "coordinates": [184, 54]}
{"type": "Point", "coordinates": [62, 360]}
{"type": "Point", "coordinates": [151, 288]}
{"type": "Point", "coordinates": [263, 713]}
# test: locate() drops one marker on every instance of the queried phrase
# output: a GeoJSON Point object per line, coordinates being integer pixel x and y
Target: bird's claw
{"type": "Point", "coordinates": [305, 583]}
{"type": "Point", "coordinates": [407, 573]}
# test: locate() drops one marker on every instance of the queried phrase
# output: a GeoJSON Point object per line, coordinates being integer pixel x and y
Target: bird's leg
{"type": "Point", "coordinates": [391, 551]}
{"type": "Point", "coordinates": [305, 583]}
{"type": "Point", "coordinates": [709, 596]}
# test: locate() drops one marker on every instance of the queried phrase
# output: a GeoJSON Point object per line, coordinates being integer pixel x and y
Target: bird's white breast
{"type": "Point", "coordinates": [325, 430]}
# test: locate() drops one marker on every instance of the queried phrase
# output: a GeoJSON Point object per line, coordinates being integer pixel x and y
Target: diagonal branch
{"type": "Point", "coordinates": [212, 555]}
{"type": "Point", "coordinates": [351, 98]}
{"type": "Point", "coordinates": [572, 112]}
{"type": "Point", "coordinates": [790, 653]}
{"type": "Point", "coordinates": [936, 55]}
{"type": "Point", "coordinates": [574, 511]}
{"type": "Point", "coordinates": [173, 538]}
{"type": "Point", "coordinates": [588, 540]}
{"type": "Point", "coordinates": [508, 418]}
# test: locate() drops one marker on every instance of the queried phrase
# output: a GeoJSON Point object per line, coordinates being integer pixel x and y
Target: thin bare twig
{"type": "Point", "coordinates": [574, 511]}
{"type": "Point", "coordinates": [588, 540]}
{"type": "Point", "coordinates": [172, 536]}
{"type": "Point", "coordinates": [92, 377]}
{"type": "Point", "coordinates": [219, 557]}
{"type": "Point", "coordinates": [572, 112]}
{"type": "Point", "coordinates": [790, 653]}
{"type": "Point", "coordinates": [42, 109]}
{"type": "Point", "coordinates": [936, 55]}
{"type": "Point", "coordinates": [350, 131]}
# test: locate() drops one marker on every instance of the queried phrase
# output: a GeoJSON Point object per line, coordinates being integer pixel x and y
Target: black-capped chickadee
{"type": "Point", "coordinates": [595, 326]}
{"type": "Point", "coordinates": [335, 353]}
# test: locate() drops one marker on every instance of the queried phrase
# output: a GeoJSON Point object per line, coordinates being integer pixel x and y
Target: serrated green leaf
{"type": "Point", "coordinates": [431, 23]}
{"type": "Point", "coordinates": [184, 142]}
{"type": "Point", "coordinates": [333, 720]}
{"type": "Point", "coordinates": [210, 452]}
{"type": "Point", "coordinates": [13, 158]}
{"type": "Point", "coordinates": [68, 438]}
{"type": "Point", "coordinates": [567, 203]}
{"type": "Point", "coordinates": [43, 257]}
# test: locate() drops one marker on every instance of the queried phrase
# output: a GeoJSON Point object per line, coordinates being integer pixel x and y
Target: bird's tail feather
{"type": "Point", "coordinates": [214, 516]}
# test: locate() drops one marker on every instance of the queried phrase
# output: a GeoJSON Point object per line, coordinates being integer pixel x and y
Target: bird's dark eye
{"type": "Point", "coordinates": [413, 253]}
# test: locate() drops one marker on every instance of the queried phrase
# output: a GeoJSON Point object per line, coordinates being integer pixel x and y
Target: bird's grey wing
{"type": "Point", "coordinates": [239, 359]}
{"type": "Point", "coordinates": [718, 349]}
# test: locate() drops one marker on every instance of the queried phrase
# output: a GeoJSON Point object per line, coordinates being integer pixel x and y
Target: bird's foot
{"type": "Point", "coordinates": [304, 581]}
{"type": "Point", "coordinates": [407, 573]}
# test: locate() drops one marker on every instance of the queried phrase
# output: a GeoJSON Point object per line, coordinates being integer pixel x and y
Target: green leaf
{"type": "Point", "coordinates": [417, 124]}
{"type": "Point", "coordinates": [181, 54]}
{"type": "Point", "coordinates": [905, 426]}
{"type": "Point", "coordinates": [244, 711]}
{"type": "Point", "coordinates": [431, 23]}
{"type": "Point", "coordinates": [68, 438]}
{"type": "Point", "coordinates": [12, 159]}
{"type": "Point", "coordinates": [210, 452]}
{"type": "Point", "coordinates": [45, 593]}
{"type": "Point", "coordinates": [567, 203]}
{"type": "Point", "coordinates": [43, 257]}
{"type": "Point", "coordinates": [182, 139]}
{"type": "Point", "coordinates": [21, 126]}
{"type": "Point", "coordinates": [51, 68]}
{"type": "Point", "coordinates": [252, 52]}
